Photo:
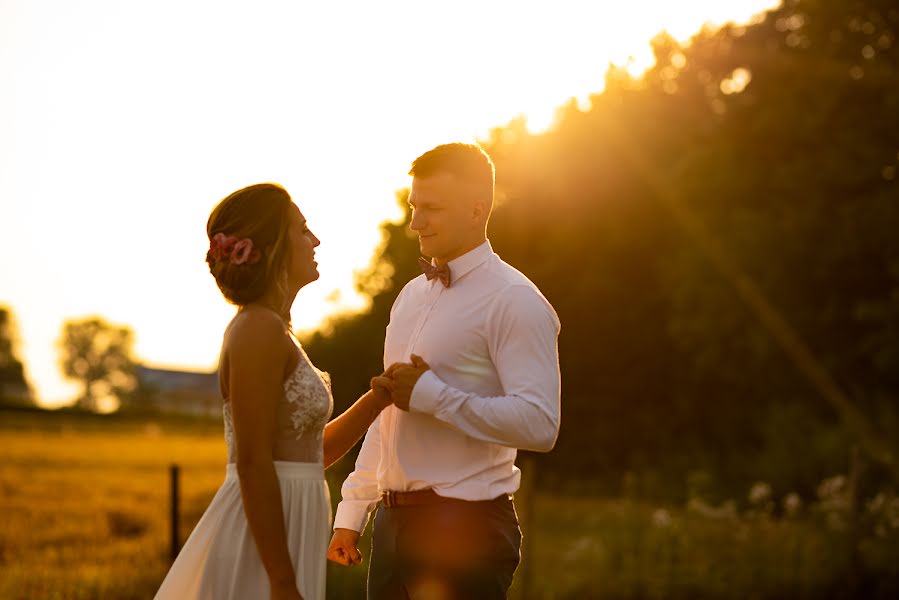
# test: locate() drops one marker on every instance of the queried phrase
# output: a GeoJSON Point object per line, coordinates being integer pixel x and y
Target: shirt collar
{"type": "Point", "coordinates": [461, 265]}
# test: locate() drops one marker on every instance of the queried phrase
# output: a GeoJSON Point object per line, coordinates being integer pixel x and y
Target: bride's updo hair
{"type": "Point", "coordinates": [261, 214]}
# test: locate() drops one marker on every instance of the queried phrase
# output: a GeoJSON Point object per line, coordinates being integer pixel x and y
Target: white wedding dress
{"type": "Point", "coordinates": [219, 561]}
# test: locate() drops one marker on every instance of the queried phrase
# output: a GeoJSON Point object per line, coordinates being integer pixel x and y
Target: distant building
{"type": "Point", "coordinates": [184, 392]}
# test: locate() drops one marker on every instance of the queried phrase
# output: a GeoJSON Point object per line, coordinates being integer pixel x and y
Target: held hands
{"type": "Point", "coordinates": [395, 385]}
{"type": "Point", "coordinates": [382, 386]}
{"type": "Point", "coordinates": [404, 377]}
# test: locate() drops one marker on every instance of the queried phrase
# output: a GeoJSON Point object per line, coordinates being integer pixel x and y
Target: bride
{"type": "Point", "coordinates": [265, 534]}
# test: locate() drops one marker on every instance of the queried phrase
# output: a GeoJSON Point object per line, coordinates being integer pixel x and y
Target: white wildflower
{"type": "Point", "coordinates": [832, 488]}
{"type": "Point", "coordinates": [661, 518]}
{"type": "Point", "coordinates": [792, 504]}
{"type": "Point", "coordinates": [727, 510]}
{"type": "Point", "coordinates": [759, 493]}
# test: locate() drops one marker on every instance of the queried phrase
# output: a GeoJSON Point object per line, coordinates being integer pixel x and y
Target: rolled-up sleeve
{"type": "Point", "coordinates": [522, 332]}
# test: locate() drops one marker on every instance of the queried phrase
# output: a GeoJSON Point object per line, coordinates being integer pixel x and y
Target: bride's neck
{"type": "Point", "coordinates": [283, 313]}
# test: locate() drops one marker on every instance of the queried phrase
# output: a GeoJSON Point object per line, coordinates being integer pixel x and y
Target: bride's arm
{"type": "Point", "coordinates": [344, 431]}
{"type": "Point", "coordinates": [257, 361]}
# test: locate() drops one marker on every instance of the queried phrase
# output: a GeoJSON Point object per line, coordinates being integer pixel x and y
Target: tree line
{"type": "Point", "coordinates": [719, 239]}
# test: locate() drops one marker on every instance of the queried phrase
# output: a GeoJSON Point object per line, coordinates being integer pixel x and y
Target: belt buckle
{"type": "Point", "coordinates": [389, 497]}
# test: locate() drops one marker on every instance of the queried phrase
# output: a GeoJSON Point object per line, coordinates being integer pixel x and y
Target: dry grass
{"type": "Point", "coordinates": [85, 507]}
{"type": "Point", "coordinates": [85, 504]}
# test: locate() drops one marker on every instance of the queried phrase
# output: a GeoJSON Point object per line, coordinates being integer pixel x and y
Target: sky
{"type": "Point", "coordinates": [123, 123]}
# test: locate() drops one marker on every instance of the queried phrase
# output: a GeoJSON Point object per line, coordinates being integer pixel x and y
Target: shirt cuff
{"type": "Point", "coordinates": [426, 394]}
{"type": "Point", "coordinates": [351, 515]}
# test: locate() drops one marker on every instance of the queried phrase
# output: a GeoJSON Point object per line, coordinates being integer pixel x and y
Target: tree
{"type": "Point", "coordinates": [779, 139]}
{"type": "Point", "coordinates": [13, 386]}
{"type": "Point", "coordinates": [99, 355]}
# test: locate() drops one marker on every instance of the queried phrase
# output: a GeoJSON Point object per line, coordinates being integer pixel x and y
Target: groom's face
{"type": "Point", "coordinates": [443, 215]}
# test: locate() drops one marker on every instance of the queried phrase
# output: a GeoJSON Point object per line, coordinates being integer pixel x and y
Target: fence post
{"type": "Point", "coordinates": [173, 471]}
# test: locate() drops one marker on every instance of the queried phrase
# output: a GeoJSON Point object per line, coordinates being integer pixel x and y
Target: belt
{"type": "Point", "coordinates": [393, 499]}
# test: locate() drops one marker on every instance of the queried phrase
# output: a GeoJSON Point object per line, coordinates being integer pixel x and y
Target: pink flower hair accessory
{"type": "Point", "coordinates": [229, 248]}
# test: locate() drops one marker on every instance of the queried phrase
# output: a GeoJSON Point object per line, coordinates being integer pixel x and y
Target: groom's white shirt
{"type": "Point", "coordinates": [494, 386]}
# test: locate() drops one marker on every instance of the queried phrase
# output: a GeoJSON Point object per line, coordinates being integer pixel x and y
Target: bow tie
{"type": "Point", "coordinates": [441, 272]}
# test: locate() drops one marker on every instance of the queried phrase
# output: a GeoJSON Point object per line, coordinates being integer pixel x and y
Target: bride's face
{"type": "Point", "coordinates": [301, 265]}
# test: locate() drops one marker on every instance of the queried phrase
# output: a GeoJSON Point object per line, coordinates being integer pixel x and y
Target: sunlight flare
{"type": "Point", "coordinates": [114, 146]}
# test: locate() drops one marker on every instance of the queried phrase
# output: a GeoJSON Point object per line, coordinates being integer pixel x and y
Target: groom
{"type": "Point", "coordinates": [472, 350]}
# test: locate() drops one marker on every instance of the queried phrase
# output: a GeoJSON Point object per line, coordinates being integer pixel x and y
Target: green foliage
{"type": "Point", "coordinates": [760, 157]}
{"type": "Point", "coordinates": [100, 356]}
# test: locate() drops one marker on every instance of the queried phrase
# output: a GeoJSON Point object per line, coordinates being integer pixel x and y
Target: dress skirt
{"type": "Point", "coordinates": [219, 561]}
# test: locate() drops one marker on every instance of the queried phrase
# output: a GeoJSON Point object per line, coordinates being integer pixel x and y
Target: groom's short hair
{"type": "Point", "coordinates": [467, 162]}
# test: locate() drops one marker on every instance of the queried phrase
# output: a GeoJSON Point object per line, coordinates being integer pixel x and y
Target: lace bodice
{"type": "Point", "coordinates": [301, 416]}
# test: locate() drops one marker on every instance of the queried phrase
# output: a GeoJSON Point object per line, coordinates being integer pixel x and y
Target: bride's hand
{"type": "Point", "coordinates": [382, 386]}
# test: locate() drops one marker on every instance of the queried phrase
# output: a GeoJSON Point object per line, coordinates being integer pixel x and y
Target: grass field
{"type": "Point", "coordinates": [84, 505]}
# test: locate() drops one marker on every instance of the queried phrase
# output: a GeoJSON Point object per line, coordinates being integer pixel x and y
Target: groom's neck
{"type": "Point", "coordinates": [460, 251]}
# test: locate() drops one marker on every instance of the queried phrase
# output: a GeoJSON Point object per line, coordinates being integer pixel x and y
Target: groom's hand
{"type": "Point", "coordinates": [405, 376]}
{"type": "Point", "coordinates": [343, 549]}
{"type": "Point", "coordinates": [382, 386]}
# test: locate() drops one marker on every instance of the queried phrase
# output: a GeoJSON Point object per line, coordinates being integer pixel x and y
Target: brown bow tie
{"type": "Point", "coordinates": [441, 272]}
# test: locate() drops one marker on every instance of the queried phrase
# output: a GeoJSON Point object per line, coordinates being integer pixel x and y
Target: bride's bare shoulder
{"type": "Point", "coordinates": [255, 331]}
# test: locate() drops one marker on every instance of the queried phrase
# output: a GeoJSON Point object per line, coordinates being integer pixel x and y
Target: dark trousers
{"type": "Point", "coordinates": [452, 550]}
